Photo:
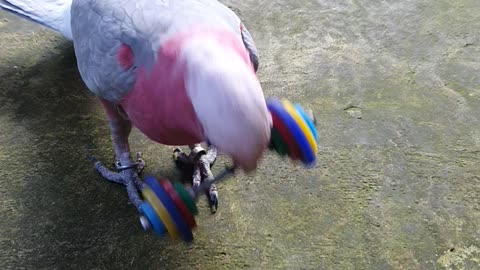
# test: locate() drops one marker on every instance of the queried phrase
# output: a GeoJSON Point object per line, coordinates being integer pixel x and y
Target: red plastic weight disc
{"type": "Point", "coordinates": [289, 140]}
{"type": "Point", "coordinates": [168, 187]}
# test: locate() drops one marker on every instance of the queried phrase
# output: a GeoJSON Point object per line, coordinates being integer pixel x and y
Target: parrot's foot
{"type": "Point", "coordinates": [127, 175]}
{"type": "Point", "coordinates": [200, 161]}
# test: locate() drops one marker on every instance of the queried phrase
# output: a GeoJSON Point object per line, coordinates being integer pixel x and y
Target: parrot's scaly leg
{"type": "Point", "coordinates": [204, 164]}
{"type": "Point", "coordinates": [128, 178]}
{"type": "Point", "coordinates": [128, 171]}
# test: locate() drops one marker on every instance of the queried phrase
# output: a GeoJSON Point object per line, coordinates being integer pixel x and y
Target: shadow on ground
{"type": "Point", "coordinates": [57, 212]}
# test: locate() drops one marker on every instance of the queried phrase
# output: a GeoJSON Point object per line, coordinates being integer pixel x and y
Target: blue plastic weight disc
{"type": "Point", "coordinates": [276, 107]}
{"type": "Point", "coordinates": [147, 210]}
{"type": "Point", "coordinates": [163, 196]}
{"type": "Point", "coordinates": [307, 120]}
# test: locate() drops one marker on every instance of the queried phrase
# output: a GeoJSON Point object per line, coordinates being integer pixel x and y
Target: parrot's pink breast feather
{"type": "Point", "coordinates": [158, 105]}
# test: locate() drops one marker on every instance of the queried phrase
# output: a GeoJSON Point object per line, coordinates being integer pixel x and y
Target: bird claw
{"type": "Point", "coordinates": [176, 151]}
{"type": "Point", "coordinates": [213, 199]}
{"type": "Point", "coordinates": [140, 163]}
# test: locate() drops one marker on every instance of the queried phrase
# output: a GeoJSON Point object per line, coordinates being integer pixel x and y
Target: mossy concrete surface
{"type": "Point", "coordinates": [395, 86]}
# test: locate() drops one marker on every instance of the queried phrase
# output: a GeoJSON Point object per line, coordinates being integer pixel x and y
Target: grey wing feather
{"type": "Point", "coordinates": [99, 28]}
{"type": "Point", "coordinates": [250, 45]}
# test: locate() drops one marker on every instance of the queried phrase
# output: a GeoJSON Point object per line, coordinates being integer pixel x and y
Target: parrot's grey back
{"type": "Point", "coordinates": [100, 27]}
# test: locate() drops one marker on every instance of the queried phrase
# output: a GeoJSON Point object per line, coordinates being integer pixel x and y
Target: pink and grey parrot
{"type": "Point", "coordinates": [146, 59]}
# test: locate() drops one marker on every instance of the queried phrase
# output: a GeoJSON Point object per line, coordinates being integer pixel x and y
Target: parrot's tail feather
{"type": "Point", "coordinates": [54, 14]}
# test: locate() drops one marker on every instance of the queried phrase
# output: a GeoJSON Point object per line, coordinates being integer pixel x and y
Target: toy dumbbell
{"type": "Point", "coordinates": [170, 208]}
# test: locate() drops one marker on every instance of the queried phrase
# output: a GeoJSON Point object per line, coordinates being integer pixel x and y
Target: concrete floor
{"type": "Point", "coordinates": [395, 86]}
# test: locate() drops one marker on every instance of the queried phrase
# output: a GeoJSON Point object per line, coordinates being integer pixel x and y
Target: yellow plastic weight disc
{"type": "Point", "coordinates": [161, 211]}
{"type": "Point", "coordinates": [301, 123]}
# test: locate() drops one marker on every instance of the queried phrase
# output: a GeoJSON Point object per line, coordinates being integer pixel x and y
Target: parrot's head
{"type": "Point", "coordinates": [227, 98]}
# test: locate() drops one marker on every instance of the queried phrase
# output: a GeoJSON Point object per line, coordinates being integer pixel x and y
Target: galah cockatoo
{"type": "Point", "coordinates": [181, 71]}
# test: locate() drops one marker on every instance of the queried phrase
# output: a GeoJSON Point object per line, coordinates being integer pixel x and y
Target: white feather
{"type": "Point", "coordinates": [51, 13]}
{"type": "Point", "coordinates": [228, 100]}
